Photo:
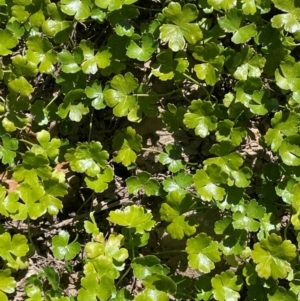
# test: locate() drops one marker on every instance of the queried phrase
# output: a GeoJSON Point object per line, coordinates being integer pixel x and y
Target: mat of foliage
{"type": "Point", "coordinates": [150, 150]}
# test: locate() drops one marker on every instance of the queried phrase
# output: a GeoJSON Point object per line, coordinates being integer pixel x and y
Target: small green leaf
{"type": "Point", "coordinates": [226, 287]}
{"type": "Point", "coordinates": [148, 265]}
{"type": "Point", "coordinates": [12, 248]}
{"type": "Point", "coordinates": [96, 93]}
{"type": "Point", "coordinates": [201, 118]}
{"type": "Point", "coordinates": [203, 253]}
{"type": "Point", "coordinates": [8, 149]}
{"type": "Point", "coordinates": [142, 181]}
{"type": "Point", "coordinates": [208, 183]}
{"type": "Point", "coordinates": [8, 41]}
{"type": "Point", "coordinates": [160, 282]}
{"type": "Point", "coordinates": [170, 66]}
{"type": "Point", "coordinates": [72, 107]}
{"type": "Point", "coordinates": [48, 147]}
{"type": "Point", "coordinates": [151, 294]}
{"type": "Point", "coordinates": [282, 294]}
{"type": "Point", "coordinates": [132, 217]}
{"type": "Point", "coordinates": [172, 157]}
{"type": "Point", "coordinates": [100, 182]}
{"type": "Point", "coordinates": [119, 97]}
{"type": "Point", "coordinates": [143, 52]}
{"type": "Point", "coordinates": [92, 61]}
{"type": "Point", "coordinates": [127, 143]}
{"type": "Point", "coordinates": [247, 215]}
{"type": "Point", "coordinates": [40, 52]}
{"type": "Point", "coordinates": [7, 284]}
{"type": "Point", "coordinates": [87, 158]}
{"type": "Point", "coordinates": [79, 9]}
{"type": "Point", "coordinates": [61, 247]}
{"type": "Point", "coordinates": [181, 29]}
{"type": "Point", "coordinates": [272, 256]}
{"type": "Point", "coordinates": [21, 85]}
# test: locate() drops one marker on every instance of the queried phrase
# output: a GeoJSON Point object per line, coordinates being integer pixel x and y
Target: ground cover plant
{"type": "Point", "coordinates": [150, 150]}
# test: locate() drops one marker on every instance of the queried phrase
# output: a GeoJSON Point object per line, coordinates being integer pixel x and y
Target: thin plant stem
{"type": "Point", "coordinates": [52, 100]}
{"type": "Point", "coordinates": [85, 202]}
{"type": "Point", "coordinates": [29, 231]}
{"type": "Point", "coordinates": [152, 150]}
{"type": "Point", "coordinates": [196, 82]}
{"type": "Point", "coordinates": [27, 142]}
{"type": "Point", "coordinates": [169, 251]}
{"type": "Point", "coordinates": [285, 230]}
{"type": "Point", "coordinates": [91, 125]}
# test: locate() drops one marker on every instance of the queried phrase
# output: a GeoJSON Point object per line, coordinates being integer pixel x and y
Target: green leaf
{"type": "Point", "coordinates": [70, 62]}
{"type": "Point", "coordinates": [272, 256]}
{"type": "Point", "coordinates": [249, 7]}
{"type": "Point", "coordinates": [8, 149]}
{"type": "Point", "coordinates": [252, 65]}
{"type": "Point", "coordinates": [145, 51]}
{"type": "Point", "coordinates": [175, 34]}
{"type": "Point", "coordinates": [203, 253]}
{"type": "Point", "coordinates": [87, 158]}
{"type": "Point", "coordinates": [21, 85]}
{"type": "Point", "coordinates": [61, 247]}
{"type": "Point", "coordinates": [8, 41]}
{"type": "Point", "coordinates": [289, 150]}
{"type": "Point", "coordinates": [201, 118]}
{"type": "Point", "coordinates": [31, 204]}
{"type": "Point", "coordinates": [92, 62]}
{"type": "Point", "coordinates": [282, 294]}
{"type": "Point", "coordinates": [160, 282]}
{"type": "Point", "coordinates": [79, 9]}
{"type": "Point", "coordinates": [12, 248]}
{"type": "Point", "coordinates": [52, 277]}
{"type": "Point", "coordinates": [289, 20]}
{"type": "Point", "coordinates": [48, 147]}
{"type": "Point", "coordinates": [246, 216]}
{"type": "Point", "coordinates": [110, 248]}
{"type": "Point", "coordinates": [244, 34]}
{"type": "Point", "coordinates": [226, 287]}
{"type": "Point", "coordinates": [148, 265]}
{"type": "Point", "coordinates": [142, 181]}
{"type": "Point", "coordinates": [127, 143]}
{"type": "Point", "coordinates": [40, 52]}
{"type": "Point", "coordinates": [295, 193]}
{"type": "Point", "coordinates": [284, 124]}
{"type": "Point", "coordinates": [100, 183]}
{"type": "Point", "coordinates": [222, 4]}
{"type": "Point", "coordinates": [173, 118]}
{"type": "Point", "coordinates": [70, 82]}
{"type": "Point", "coordinates": [119, 97]}
{"type": "Point", "coordinates": [132, 217]}
{"type": "Point", "coordinates": [94, 289]}
{"type": "Point", "coordinates": [288, 75]}
{"type": "Point", "coordinates": [22, 67]}
{"type": "Point", "coordinates": [33, 167]}
{"type": "Point", "coordinates": [170, 66]}
{"type": "Point", "coordinates": [177, 203]}
{"type": "Point", "coordinates": [232, 23]}
{"type": "Point", "coordinates": [207, 182]}
{"type": "Point", "coordinates": [177, 182]}
{"type": "Point", "coordinates": [227, 132]}
{"type": "Point", "coordinates": [209, 71]}
{"type": "Point", "coordinates": [150, 294]}
{"type": "Point", "coordinates": [96, 93]}
{"type": "Point", "coordinates": [120, 20]}
{"type": "Point", "coordinates": [172, 157]}
{"type": "Point", "coordinates": [72, 107]}
{"type": "Point", "coordinates": [7, 284]}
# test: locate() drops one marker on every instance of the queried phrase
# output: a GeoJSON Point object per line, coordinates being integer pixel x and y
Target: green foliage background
{"type": "Point", "coordinates": [210, 70]}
